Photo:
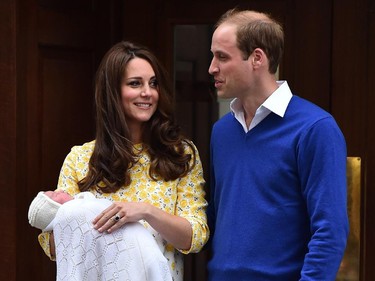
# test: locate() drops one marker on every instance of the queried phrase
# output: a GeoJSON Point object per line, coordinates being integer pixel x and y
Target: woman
{"type": "Point", "coordinates": [139, 159]}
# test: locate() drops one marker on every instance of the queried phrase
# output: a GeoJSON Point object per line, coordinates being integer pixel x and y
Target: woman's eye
{"type": "Point", "coordinates": [134, 83]}
{"type": "Point", "coordinates": [154, 83]}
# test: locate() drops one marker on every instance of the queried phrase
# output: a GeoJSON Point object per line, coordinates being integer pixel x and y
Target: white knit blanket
{"type": "Point", "coordinates": [82, 253]}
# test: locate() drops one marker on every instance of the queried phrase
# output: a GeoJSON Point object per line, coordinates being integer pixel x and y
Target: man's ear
{"type": "Point", "coordinates": [258, 57]}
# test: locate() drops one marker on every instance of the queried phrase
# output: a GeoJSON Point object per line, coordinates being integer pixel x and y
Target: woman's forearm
{"type": "Point", "coordinates": [176, 230]}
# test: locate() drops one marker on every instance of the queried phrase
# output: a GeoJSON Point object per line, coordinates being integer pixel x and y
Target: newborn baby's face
{"type": "Point", "coordinates": [59, 196]}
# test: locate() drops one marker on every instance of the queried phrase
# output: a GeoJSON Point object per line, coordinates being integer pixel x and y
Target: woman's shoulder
{"type": "Point", "coordinates": [82, 151]}
{"type": "Point", "coordinates": [86, 147]}
{"type": "Point", "coordinates": [189, 146]}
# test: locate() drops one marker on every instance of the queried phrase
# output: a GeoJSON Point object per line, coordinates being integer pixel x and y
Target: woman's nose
{"type": "Point", "coordinates": [146, 91]}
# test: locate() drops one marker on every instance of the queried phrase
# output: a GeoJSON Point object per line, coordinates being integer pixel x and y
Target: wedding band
{"type": "Point", "coordinates": [116, 218]}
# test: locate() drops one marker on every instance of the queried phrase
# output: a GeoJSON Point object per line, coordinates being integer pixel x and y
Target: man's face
{"type": "Point", "coordinates": [232, 74]}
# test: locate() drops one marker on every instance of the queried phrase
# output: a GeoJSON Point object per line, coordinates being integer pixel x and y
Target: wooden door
{"type": "Point", "coordinates": [59, 46]}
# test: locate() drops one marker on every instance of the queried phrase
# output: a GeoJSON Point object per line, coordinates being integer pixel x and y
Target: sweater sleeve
{"type": "Point", "coordinates": [191, 205]}
{"type": "Point", "coordinates": [322, 169]}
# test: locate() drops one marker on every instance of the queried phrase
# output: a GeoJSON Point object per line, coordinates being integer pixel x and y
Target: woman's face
{"type": "Point", "coordinates": [139, 92]}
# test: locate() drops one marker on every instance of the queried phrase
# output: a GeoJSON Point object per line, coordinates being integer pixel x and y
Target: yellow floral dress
{"type": "Point", "coordinates": [184, 197]}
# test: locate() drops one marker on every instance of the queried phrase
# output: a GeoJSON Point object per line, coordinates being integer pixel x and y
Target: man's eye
{"type": "Point", "coordinates": [222, 57]}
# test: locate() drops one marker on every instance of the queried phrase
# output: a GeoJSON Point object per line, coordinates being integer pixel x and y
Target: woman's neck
{"type": "Point", "coordinates": [136, 133]}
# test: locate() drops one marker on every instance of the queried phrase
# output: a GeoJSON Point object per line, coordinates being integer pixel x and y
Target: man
{"type": "Point", "coordinates": [278, 175]}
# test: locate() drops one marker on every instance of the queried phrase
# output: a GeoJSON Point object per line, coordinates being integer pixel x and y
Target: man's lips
{"type": "Point", "coordinates": [218, 83]}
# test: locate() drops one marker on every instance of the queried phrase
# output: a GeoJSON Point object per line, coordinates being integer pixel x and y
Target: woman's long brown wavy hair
{"type": "Point", "coordinates": [114, 153]}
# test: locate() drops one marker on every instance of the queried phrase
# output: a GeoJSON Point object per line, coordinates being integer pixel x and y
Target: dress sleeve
{"type": "Point", "coordinates": [191, 205]}
{"type": "Point", "coordinates": [74, 169]}
{"type": "Point", "coordinates": [68, 182]}
{"type": "Point", "coordinates": [43, 240]}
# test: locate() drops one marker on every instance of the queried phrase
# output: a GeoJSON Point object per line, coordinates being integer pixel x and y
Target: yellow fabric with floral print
{"type": "Point", "coordinates": [184, 197]}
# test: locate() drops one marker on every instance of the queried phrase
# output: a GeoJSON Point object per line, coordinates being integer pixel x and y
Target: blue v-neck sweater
{"type": "Point", "coordinates": [278, 197]}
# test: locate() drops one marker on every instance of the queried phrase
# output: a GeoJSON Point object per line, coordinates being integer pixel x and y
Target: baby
{"type": "Point", "coordinates": [83, 253]}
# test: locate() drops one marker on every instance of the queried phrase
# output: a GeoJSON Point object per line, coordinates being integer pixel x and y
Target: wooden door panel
{"type": "Point", "coordinates": [368, 196]}
{"type": "Point", "coordinates": [66, 27]}
{"type": "Point", "coordinates": [8, 99]}
{"type": "Point", "coordinates": [60, 46]}
{"type": "Point", "coordinates": [66, 106]}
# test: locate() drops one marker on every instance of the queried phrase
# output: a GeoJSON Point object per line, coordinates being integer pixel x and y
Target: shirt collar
{"type": "Point", "coordinates": [277, 102]}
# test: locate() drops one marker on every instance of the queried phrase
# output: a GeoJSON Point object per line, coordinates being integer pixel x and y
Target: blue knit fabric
{"type": "Point", "coordinates": [278, 197]}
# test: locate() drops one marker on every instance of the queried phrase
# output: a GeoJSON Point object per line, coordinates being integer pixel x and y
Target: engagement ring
{"type": "Point", "coordinates": [116, 218]}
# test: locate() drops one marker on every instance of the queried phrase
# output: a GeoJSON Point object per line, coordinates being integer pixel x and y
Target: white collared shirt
{"type": "Point", "coordinates": [277, 103]}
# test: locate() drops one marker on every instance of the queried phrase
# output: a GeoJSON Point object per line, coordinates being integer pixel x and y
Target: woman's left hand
{"type": "Point", "coordinates": [118, 214]}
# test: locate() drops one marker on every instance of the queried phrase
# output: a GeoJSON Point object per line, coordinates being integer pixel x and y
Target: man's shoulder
{"type": "Point", "coordinates": [307, 108]}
